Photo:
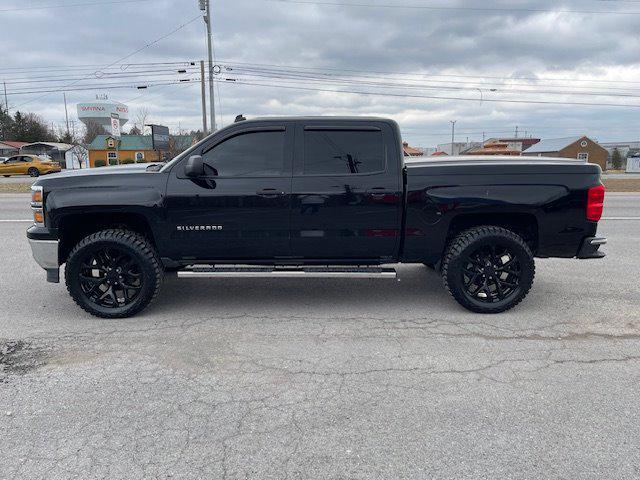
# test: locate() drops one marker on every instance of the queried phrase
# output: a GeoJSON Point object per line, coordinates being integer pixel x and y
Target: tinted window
{"type": "Point", "coordinates": [255, 154]}
{"type": "Point", "coordinates": [343, 152]}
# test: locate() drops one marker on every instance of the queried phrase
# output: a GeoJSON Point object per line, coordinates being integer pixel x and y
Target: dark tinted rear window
{"type": "Point", "coordinates": [342, 152]}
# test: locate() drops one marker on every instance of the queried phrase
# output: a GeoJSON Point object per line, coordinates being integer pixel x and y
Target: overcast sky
{"type": "Point", "coordinates": [302, 53]}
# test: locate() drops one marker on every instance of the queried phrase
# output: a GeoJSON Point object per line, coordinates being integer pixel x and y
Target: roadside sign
{"type": "Point", "coordinates": [115, 125]}
{"type": "Point", "coordinates": [160, 135]}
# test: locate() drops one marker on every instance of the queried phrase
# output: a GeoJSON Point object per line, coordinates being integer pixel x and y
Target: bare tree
{"type": "Point", "coordinates": [141, 118]}
{"type": "Point", "coordinates": [92, 131]}
{"type": "Point", "coordinates": [81, 153]}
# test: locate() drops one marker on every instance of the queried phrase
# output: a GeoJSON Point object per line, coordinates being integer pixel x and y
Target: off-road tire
{"type": "Point", "coordinates": [465, 244]}
{"type": "Point", "coordinates": [33, 172]}
{"type": "Point", "coordinates": [135, 245]}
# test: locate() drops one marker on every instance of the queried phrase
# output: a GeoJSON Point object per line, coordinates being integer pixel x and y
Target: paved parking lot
{"type": "Point", "coordinates": [258, 379]}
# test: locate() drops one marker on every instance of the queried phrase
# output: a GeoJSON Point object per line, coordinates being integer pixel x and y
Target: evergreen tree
{"type": "Point", "coordinates": [30, 127]}
{"type": "Point", "coordinates": [616, 159]}
{"type": "Point", "coordinates": [6, 124]}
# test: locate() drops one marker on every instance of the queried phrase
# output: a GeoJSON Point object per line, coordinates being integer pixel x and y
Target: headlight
{"type": "Point", "coordinates": [37, 205]}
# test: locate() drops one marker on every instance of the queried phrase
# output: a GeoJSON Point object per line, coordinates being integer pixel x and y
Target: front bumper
{"type": "Point", "coordinates": [590, 248]}
{"type": "Point", "coordinates": [45, 253]}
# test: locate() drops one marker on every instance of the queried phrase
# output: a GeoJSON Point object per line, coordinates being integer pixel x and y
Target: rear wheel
{"type": "Point", "coordinates": [113, 273]}
{"type": "Point", "coordinates": [488, 269]}
{"type": "Point", "coordinates": [33, 172]}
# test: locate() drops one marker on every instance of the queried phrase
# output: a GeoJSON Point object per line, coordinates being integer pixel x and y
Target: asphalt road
{"type": "Point", "coordinates": [331, 379]}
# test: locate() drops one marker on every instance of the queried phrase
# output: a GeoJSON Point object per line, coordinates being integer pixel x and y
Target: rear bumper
{"type": "Point", "coordinates": [590, 248]}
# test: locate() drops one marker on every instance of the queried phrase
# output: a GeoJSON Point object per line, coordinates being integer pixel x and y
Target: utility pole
{"type": "Point", "coordinates": [516, 131]}
{"type": "Point", "coordinates": [66, 114]}
{"type": "Point", "coordinates": [6, 102]}
{"type": "Point", "coordinates": [453, 134]}
{"type": "Point", "coordinates": [204, 98]}
{"type": "Point", "coordinates": [205, 5]}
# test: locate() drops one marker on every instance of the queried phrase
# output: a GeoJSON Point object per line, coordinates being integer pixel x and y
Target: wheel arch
{"type": "Point", "coordinates": [523, 224]}
{"type": "Point", "coordinates": [74, 227]}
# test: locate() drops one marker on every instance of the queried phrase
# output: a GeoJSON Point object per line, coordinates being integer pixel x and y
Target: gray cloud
{"type": "Point", "coordinates": [410, 41]}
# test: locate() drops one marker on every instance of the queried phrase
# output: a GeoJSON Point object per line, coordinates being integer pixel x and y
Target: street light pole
{"type": "Point", "coordinates": [453, 133]}
{"type": "Point", "coordinates": [206, 6]}
{"type": "Point", "coordinates": [203, 94]}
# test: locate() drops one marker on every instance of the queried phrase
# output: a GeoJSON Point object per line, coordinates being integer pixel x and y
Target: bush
{"type": "Point", "coordinates": [141, 160]}
{"type": "Point", "coordinates": [113, 161]}
{"type": "Point", "coordinates": [616, 159]}
{"type": "Point", "coordinates": [127, 161]}
{"type": "Point", "coordinates": [99, 163]}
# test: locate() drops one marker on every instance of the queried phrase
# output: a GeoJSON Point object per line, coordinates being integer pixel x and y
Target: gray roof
{"type": "Point", "coordinates": [58, 145]}
{"type": "Point", "coordinates": [551, 145]}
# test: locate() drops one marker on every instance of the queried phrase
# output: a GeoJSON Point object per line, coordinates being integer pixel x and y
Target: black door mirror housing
{"type": "Point", "coordinates": [194, 166]}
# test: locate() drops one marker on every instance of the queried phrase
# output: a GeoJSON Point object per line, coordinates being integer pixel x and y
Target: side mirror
{"type": "Point", "coordinates": [194, 166]}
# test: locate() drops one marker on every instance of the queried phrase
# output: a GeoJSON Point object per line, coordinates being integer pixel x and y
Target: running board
{"type": "Point", "coordinates": [252, 271]}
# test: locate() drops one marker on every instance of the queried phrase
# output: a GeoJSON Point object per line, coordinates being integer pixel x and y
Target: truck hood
{"type": "Point", "coordinates": [101, 171]}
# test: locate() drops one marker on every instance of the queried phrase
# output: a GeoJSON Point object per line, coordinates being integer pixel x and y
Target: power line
{"type": "Point", "coordinates": [505, 89]}
{"type": "Point", "coordinates": [434, 7]}
{"type": "Point", "coordinates": [431, 74]}
{"type": "Point", "coordinates": [69, 5]}
{"type": "Point", "coordinates": [90, 66]}
{"type": "Point", "coordinates": [79, 88]}
{"type": "Point", "coordinates": [180, 27]}
{"type": "Point", "coordinates": [433, 97]}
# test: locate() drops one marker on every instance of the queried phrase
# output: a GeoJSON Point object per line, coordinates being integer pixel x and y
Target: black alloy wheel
{"type": "Point", "coordinates": [113, 273]}
{"type": "Point", "coordinates": [33, 172]}
{"type": "Point", "coordinates": [491, 273]}
{"type": "Point", "coordinates": [488, 269]}
{"type": "Point", "coordinates": [110, 277]}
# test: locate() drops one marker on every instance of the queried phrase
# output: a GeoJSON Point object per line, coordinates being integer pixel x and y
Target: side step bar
{"type": "Point", "coordinates": [252, 271]}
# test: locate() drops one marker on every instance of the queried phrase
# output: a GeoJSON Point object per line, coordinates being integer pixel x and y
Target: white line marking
{"type": "Point", "coordinates": [17, 220]}
{"type": "Point", "coordinates": [621, 218]}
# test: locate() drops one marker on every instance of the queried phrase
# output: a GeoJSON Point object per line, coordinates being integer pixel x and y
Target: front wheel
{"type": "Point", "coordinates": [33, 172]}
{"type": "Point", "coordinates": [488, 269]}
{"type": "Point", "coordinates": [113, 273]}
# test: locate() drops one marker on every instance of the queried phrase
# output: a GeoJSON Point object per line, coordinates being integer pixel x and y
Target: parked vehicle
{"type": "Point", "coordinates": [313, 197]}
{"type": "Point", "coordinates": [31, 165]}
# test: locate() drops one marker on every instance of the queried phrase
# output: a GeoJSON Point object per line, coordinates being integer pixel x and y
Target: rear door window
{"type": "Point", "coordinates": [343, 152]}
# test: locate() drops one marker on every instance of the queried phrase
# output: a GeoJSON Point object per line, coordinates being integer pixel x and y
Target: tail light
{"type": "Point", "coordinates": [595, 203]}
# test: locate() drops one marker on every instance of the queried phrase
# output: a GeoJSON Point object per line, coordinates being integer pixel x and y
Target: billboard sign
{"type": "Point", "coordinates": [115, 125]}
{"type": "Point", "coordinates": [160, 135]}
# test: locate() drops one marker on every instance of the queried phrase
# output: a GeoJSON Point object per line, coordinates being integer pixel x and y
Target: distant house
{"type": "Point", "coordinates": [411, 152]}
{"type": "Point", "coordinates": [494, 148]}
{"type": "Point", "coordinates": [582, 148]}
{"type": "Point", "coordinates": [514, 144]}
{"type": "Point", "coordinates": [457, 148]}
{"type": "Point", "coordinates": [9, 148]}
{"type": "Point", "coordinates": [440, 154]}
{"type": "Point", "coordinates": [53, 150]}
{"type": "Point", "coordinates": [107, 150]}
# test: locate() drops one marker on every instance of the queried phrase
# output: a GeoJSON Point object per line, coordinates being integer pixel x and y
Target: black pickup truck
{"type": "Point", "coordinates": [313, 197]}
